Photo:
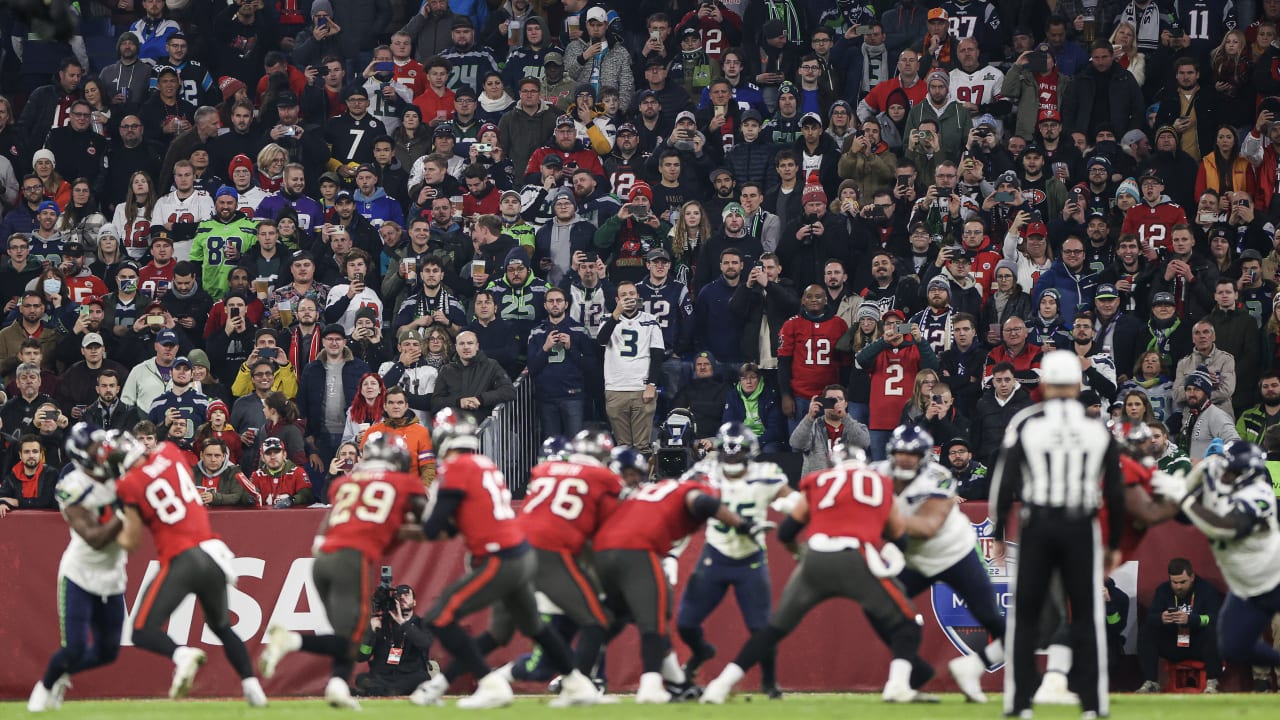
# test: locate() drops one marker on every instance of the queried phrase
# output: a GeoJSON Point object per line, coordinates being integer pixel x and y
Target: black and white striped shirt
{"type": "Point", "coordinates": [1055, 457]}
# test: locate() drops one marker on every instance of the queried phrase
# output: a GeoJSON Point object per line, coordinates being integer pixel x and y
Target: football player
{"type": "Point", "coordinates": [850, 511]}
{"type": "Point", "coordinates": [730, 559]}
{"type": "Point", "coordinates": [159, 494]}
{"type": "Point", "coordinates": [1229, 498]}
{"type": "Point", "coordinates": [629, 548]}
{"type": "Point", "coordinates": [91, 576]}
{"type": "Point", "coordinates": [473, 501]}
{"type": "Point", "coordinates": [941, 547]}
{"type": "Point", "coordinates": [370, 505]}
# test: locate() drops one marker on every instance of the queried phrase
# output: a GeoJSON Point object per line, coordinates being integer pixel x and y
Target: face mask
{"type": "Point", "coordinates": [52, 286]}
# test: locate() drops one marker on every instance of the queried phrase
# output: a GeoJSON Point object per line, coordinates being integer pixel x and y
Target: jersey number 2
{"type": "Point", "coordinates": [375, 501]}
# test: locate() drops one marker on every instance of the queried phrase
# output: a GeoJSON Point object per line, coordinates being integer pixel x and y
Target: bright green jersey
{"type": "Point", "coordinates": [209, 248]}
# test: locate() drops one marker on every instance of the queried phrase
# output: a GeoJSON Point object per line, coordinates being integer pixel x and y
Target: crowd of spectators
{"type": "Point", "coordinates": [258, 229]}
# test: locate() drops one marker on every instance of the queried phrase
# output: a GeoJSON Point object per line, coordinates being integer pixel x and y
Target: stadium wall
{"type": "Point", "coordinates": [832, 650]}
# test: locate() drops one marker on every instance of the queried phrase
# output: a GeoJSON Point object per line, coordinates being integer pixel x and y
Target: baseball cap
{"type": "Point", "coordinates": [938, 14]}
{"type": "Point", "coordinates": [751, 115]}
{"type": "Point", "coordinates": [686, 115]}
{"type": "Point", "coordinates": [1106, 291]}
{"type": "Point", "coordinates": [342, 195]}
{"type": "Point", "coordinates": [1049, 114]}
{"type": "Point", "coordinates": [466, 91]}
{"type": "Point", "coordinates": [1060, 367]}
{"type": "Point", "coordinates": [553, 58]}
{"type": "Point", "coordinates": [627, 128]}
{"type": "Point", "coordinates": [657, 254]}
{"type": "Point", "coordinates": [461, 21]}
{"type": "Point", "coordinates": [48, 205]}
{"type": "Point", "coordinates": [288, 99]}
{"type": "Point", "coordinates": [1163, 298]}
{"type": "Point", "coordinates": [812, 117]}
{"type": "Point", "coordinates": [553, 160]}
{"type": "Point", "coordinates": [167, 337]}
{"type": "Point", "coordinates": [182, 360]}
{"type": "Point", "coordinates": [564, 120]}
{"type": "Point", "coordinates": [1152, 175]}
{"type": "Point", "coordinates": [272, 444]}
{"type": "Point", "coordinates": [333, 329]}
{"type": "Point", "coordinates": [91, 339]}
{"type": "Point", "coordinates": [443, 130]}
{"type": "Point", "coordinates": [1035, 228]}
{"type": "Point", "coordinates": [773, 29]}
{"type": "Point", "coordinates": [598, 14]}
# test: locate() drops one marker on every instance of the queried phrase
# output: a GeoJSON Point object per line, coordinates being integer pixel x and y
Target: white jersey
{"type": "Point", "coordinates": [251, 199]}
{"type": "Point", "coordinates": [589, 307]}
{"type": "Point", "coordinates": [420, 380]}
{"type": "Point", "coordinates": [954, 540]}
{"type": "Point", "coordinates": [137, 234]}
{"type": "Point", "coordinates": [101, 572]}
{"type": "Point", "coordinates": [382, 108]}
{"type": "Point", "coordinates": [749, 496]}
{"type": "Point", "coordinates": [365, 298]}
{"type": "Point", "coordinates": [195, 208]}
{"type": "Point", "coordinates": [626, 359]}
{"type": "Point", "coordinates": [1251, 564]}
{"type": "Point", "coordinates": [980, 87]}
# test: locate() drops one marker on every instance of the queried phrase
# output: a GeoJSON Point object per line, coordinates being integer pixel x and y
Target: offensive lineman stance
{"type": "Point", "coordinates": [91, 575]}
{"type": "Point", "coordinates": [158, 492]}
{"type": "Point", "coordinates": [729, 558]}
{"type": "Point", "coordinates": [369, 507]}
{"type": "Point", "coordinates": [849, 510]}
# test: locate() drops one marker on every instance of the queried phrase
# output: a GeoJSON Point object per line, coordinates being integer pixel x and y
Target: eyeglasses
{"type": "Point", "coordinates": [263, 374]}
{"type": "Point", "coordinates": [33, 188]}
{"type": "Point", "coordinates": [810, 67]}
{"type": "Point", "coordinates": [1066, 251]}
{"type": "Point", "coordinates": [32, 306]}
{"type": "Point", "coordinates": [1014, 330]}
{"type": "Point", "coordinates": [19, 246]}
{"type": "Point", "coordinates": [130, 126]}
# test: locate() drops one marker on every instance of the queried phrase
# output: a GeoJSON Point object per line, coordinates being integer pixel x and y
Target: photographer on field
{"type": "Point", "coordinates": [395, 647]}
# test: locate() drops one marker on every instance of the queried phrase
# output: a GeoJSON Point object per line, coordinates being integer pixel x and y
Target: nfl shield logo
{"type": "Point", "coordinates": [953, 615]}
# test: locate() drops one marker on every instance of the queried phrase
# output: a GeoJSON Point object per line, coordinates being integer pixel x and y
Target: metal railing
{"type": "Point", "coordinates": [510, 436]}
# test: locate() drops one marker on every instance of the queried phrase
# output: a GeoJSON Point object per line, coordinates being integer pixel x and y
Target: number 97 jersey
{"type": "Point", "coordinates": [369, 506]}
{"type": "Point", "coordinates": [162, 490]}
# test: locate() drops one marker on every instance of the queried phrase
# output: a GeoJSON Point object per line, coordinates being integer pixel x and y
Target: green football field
{"type": "Point", "coordinates": [741, 707]}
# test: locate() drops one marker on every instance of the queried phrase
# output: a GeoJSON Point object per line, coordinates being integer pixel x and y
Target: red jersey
{"type": "Point", "coordinates": [811, 347]}
{"type": "Point", "coordinates": [1151, 224]}
{"type": "Point", "coordinates": [162, 490]}
{"type": "Point", "coordinates": [412, 75]}
{"type": "Point", "coordinates": [484, 516]}
{"type": "Point", "coordinates": [893, 376]}
{"type": "Point", "coordinates": [151, 277]}
{"type": "Point", "coordinates": [1135, 474]}
{"type": "Point", "coordinates": [653, 519]}
{"type": "Point", "coordinates": [878, 98]}
{"type": "Point", "coordinates": [369, 506]}
{"type": "Point", "coordinates": [848, 502]}
{"type": "Point", "coordinates": [84, 288]}
{"type": "Point", "coordinates": [566, 502]}
{"type": "Point", "coordinates": [268, 488]}
{"type": "Point", "coordinates": [983, 268]}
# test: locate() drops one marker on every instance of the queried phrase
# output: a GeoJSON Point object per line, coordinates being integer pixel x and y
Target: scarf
{"type": "Point", "coordinates": [312, 351]}
{"type": "Point", "coordinates": [875, 66]}
{"type": "Point", "coordinates": [785, 11]}
{"type": "Point", "coordinates": [1160, 340]}
{"type": "Point", "coordinates": [490, 105]}
{"type": "Point", "coordinates": [31, 485]}
{"type": "Point", "coordinates": [751, 404]}
{"type": "Point", "coordinates": [435, 361]}
{"type": "Point", "coordinates": [1189, 426]}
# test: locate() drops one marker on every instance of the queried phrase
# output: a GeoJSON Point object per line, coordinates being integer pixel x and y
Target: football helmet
{"type": "Point", "coordinates": [626, 458]}
{"type": "Point", "coordinates": [910, 439]}
{"type": "Point", "coordinates": [1244, 458]}
{"type": "Point", "coordinates": [387, 448]}
{"type": "Point", "coordinates": [593, 443]}
{"type": "Point", "coordinates": [453, 430]}
{"type": "Point", "coordinates": [555, 447]}
{"type": "Point", "coordinates": [842, 453]}
{"type": "Point", "coordinates": [87, 452]}
{"type": "Point", "coordinates": [737, 443]}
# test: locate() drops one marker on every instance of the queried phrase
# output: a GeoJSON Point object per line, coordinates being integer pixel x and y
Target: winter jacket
{"type": "Point", "coordinates": [1075, 288]}
{"type": "Point", "coordinates": [990, 420]}
{"type": "Point", "coordinates": [754, 305]}
{"type": "Point", "coordinates": [1217, 361]}
{"type": "Point", "coordinates": [704, 397]}
{"type": "Point", "coordinates": [560, 372]}
{"type": "Point", "coordinates": [772, 426]}
{"type": "Point", "coordinates": [228, 485]}
{"type": "Point", "coordinates": [615, 68]}
{"type": "Point", "coordinates": [1125, 102]}
{"type": "Point", "coordinates": [811, 440]}
{"type": "Point", "coordinates": [1193, 431]}
{"type": "Point", "coordinates": [1237, 333]}
{"type": "Point", "coordinates": [311, 386]}
{"type": "Point", "coordinates": [480, 378]}
{"type": "Point", "coordinates": [421, 455]}
{"type": "Point", "coordinates": [751, 161]}
{"type": "Point", "coordinates": [1020, 86]}
{"type": "Point", "coordinates": [715, 328]}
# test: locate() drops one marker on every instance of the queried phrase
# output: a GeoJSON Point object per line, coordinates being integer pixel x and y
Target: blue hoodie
{"type": "Point", "coordinates": [378, 208]}
{"type": "Point", "coordinates": [560, 373]}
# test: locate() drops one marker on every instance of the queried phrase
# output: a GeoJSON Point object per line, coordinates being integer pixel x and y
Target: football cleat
{"type": "Point", "coordinates": [280, 642]}
{"type": "Point", "coordinates": [491, 692]}
{"type": "Point", "coordinates": [967, 671]}
{"type": "Point", "coordinates": [41, 699]}
{"type": "Point", "coordinates": [253, 692]}
{"type": "Point", "coordinates": [1053, 691]}
{"type": "Point", "coordinates": [651, 690]}
{"type": "Point", "coordinates": [430, 692]}
{"type": "Point", "coordinates": [700, 655]}
{"type": "Point", "coordinates": [59, 691]}
{"type": "Point", "coordinates": [338, 694]}
{"type": "Point", "coordinates": [186, 663]}
{"type": "Point", "coordinates": [576, 689]}
{"type": "Point", "coordinates": [686, 691]}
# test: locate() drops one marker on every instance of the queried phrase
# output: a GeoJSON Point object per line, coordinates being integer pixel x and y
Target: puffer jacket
{"type": "Point", "coordinates": [615, 67]}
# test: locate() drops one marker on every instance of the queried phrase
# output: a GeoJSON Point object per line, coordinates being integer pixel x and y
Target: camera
{"type": "Point", "coordinates": [675, 453]}
{"type": "Point", "coordinates": [384, 596]}
{"type": "Point", "coordinates": [288, 131]}
{"type": "Point", "coordinates": [484, 147]}
{"type": "Point", "coordinates": [828, 403]}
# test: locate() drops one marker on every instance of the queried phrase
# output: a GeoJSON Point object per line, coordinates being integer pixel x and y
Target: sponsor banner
{"type": "Point", "coordinates": [274, 564]}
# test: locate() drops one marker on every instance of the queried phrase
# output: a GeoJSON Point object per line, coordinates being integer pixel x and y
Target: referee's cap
{"type": "Point", "coordinates": [1060, 367]}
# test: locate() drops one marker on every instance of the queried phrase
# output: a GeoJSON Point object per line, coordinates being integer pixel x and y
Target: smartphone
{"type": "Point", "coordinates": [84, 311]}
{"type": "Point", "coordinates": [384, 67]}
{"type": "Point", "coordinates": [357, 278]}
{"type": "Point", "coordinates": [904, 328]}
{"type": "Point", "coordinates": [348, 464]}
{"type": "Point", "coordinates": [590, 256]}
{"type": "Point", "coordinates": [944, 193]}
{"type": "Point", "coordinates": [1038, 62]}
{"type": "Point", "coordinates": [718, 110]}
{"type": "Point", "coordinates": [936, 399]}
{"type": "Point", "coordinates": [1004, 197]}
{"type": "Point", "coordinates": [863, 30]}
{"type": "Point", "coordinates": [155, 320]}
{"type": "Point", "coordinates": [904, 180]}
{"type": "Point", "coordinates": [235, 313]}
{"type": "Point", "coordinates": [322, 22]}
{"type": "Point", "coordinates": [655, 35]}
{"type": "Point", "coordinates": [49, 415]}
{"type": "Point", "coordinates": [267, 353]}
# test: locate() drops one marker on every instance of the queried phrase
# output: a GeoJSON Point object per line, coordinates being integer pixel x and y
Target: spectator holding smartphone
{"type": "Point", "coordinates": [266, 347]}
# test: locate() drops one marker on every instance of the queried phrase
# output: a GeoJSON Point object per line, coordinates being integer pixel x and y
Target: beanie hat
{"type": "Point", "coordinates": [1129, 187]}
{"type": "Point", "coordinates": [1199, 379]}
{"type": "Point", "coordinates": [321, 6]}
{"type": "Point", "coordinates": [1009, 265]}
{"type": "Point", "coordinates": [43, 154]}
{"type": "Point", "coordinates": [868, 311]}
{"type": "Point", "coordinates": [218, 405]}
{"type": "Point", "coordinates": [640, 188]}
{"type": "Point", "coordinates": [813, 191]}
{"type": "Point", "coordinates": [230, 86]}
{"type": "Point", "coordinates": [128, 35]}
{"type": "Point", "coordinates": [239, 161]}
{"type": "Point", "coordinates": [517, 254]}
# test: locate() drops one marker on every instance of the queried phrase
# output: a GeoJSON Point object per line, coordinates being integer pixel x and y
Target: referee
{"type": "Point", "coordinates": [1062, 465]}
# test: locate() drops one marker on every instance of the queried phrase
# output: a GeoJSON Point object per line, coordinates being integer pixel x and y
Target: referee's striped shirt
{"type": "Point", "coordinates": [1054, 457]}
